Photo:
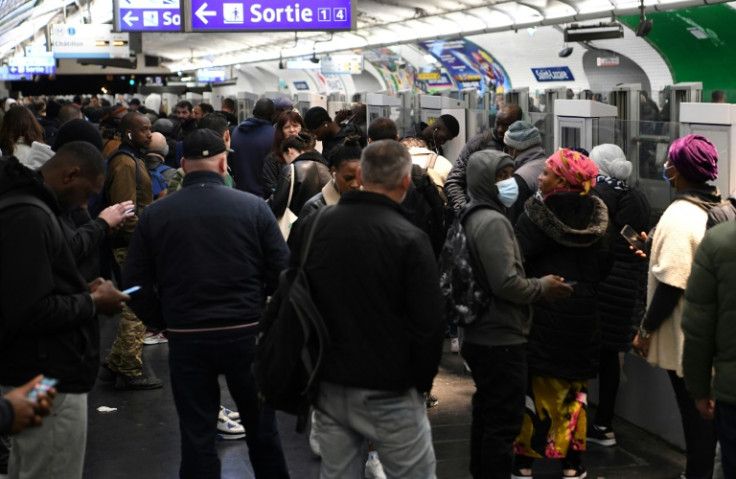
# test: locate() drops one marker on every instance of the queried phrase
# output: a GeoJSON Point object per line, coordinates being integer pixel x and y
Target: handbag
{"type": "Point", "coordinates": [288, 218]}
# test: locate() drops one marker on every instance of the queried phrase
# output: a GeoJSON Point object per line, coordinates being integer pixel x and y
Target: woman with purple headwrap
{"type": "Point", "coordinates": [692, 162]}
{"type": "Point", "coordinates": [559, 233]}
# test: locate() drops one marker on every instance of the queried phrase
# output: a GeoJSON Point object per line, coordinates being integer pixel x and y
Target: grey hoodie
{"type": "Point", "coordinates": [492, 243]}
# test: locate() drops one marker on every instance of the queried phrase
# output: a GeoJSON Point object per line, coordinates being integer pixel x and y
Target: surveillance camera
{"type": "Point", "coordinates": [314, 59]}
{"type": "Point", "coordinates": [565, 52]}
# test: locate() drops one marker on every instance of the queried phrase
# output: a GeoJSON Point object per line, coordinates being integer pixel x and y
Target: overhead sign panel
{"type": "Point", "coordinates": [147, 15]}
{"type": "Point", "coordinates": [88, 41]}
{"type": "Point", "coordinates": [270, 15]}
{"type": "Point", "coordinates": [343, 64]}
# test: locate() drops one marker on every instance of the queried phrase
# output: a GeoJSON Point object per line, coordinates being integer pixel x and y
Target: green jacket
{"type": "Point", "coordinates": [709, 317]}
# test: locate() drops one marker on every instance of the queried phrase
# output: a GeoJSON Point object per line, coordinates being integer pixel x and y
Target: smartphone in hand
{"type": "Point", "coordinates": [42, 387]}
{"type": "Point", "coordinates": [632, 237]}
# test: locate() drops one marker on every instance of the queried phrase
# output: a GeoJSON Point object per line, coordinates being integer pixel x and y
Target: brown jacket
{"type": "Point", "coordinates": [121, 185]}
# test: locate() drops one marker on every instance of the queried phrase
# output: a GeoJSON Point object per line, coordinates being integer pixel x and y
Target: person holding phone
{"type": "Point", "coordinates": [37, 300]}
{"type": "Point", "coordinates": [622, 294]}
{"type": "Point", "coordinates": [692, 161]}
{"type": "Point", "coordinates": [560, 233]}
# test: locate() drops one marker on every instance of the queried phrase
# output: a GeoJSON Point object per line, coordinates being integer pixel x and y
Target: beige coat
{"type": "Point", "coordinates": [678, 234]}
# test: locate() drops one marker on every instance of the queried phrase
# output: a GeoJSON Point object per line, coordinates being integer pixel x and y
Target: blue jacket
{"type": "Point", "coordinates": [205, 257]}
{"type": "Point", "coordinates": [252, 140]}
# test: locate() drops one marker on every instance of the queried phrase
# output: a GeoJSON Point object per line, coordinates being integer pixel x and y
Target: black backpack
{"type": "Point", "coordinates": [292, 342]}
{"type": "Point", "coordinates": [465, 296]}
{"type": "Point", "coordinates": [429, 209]}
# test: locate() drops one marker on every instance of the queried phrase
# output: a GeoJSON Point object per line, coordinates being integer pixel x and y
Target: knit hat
{"type": "Point", "coordinates": [577, 169]}
{"type": "Point", "coordinates": [695, 158]}
{"type": "Point", "coordinates": [77, 130]}
{"type": "Point", "coordinates": [611, 161]}
{"type": "Point", "coordinates": [316, 116]}
{"type": "Point", "coordinates": [283, 103]}
{"type": "Point", "coordinates": [521, 136]}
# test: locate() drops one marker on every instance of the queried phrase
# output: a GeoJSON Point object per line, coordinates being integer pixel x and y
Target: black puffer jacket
{"type": "Point", "coordinates": [311, 174]}
{"type": "Point", "coordinates": [562, 236]}
{"type": "Point", "coordinates": [622, 294]}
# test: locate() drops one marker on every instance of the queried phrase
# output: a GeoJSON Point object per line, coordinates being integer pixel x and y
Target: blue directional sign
{"type": "Point", "coordinates": [147, 15]}
{"type": "Point", "coordinates": [270, 15]}
{"type": "Point", "coordinates": [553, 74]}
{"type": "Point", "coordinates": [32, 70]}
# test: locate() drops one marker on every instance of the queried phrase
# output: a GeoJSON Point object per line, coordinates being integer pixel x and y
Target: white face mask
{"type": "Point", "coordinates": [508, 191]}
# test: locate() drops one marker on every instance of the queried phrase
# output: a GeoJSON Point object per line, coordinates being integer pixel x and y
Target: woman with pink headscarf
{"type": "Point", "coordinates": [559, 233]}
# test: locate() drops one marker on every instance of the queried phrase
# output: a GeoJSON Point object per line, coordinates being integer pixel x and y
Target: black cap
{"type": "Point", "coordinates": [202, 143]}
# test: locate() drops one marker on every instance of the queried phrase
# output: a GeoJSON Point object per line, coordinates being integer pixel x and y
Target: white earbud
{"type": "Point", "coordinates": [333, 175]}
{"type": "Point", "coordinates": [130, 137]}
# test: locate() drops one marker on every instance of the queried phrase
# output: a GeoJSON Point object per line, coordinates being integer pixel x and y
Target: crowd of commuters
{"type": "Point", "coordinates": [119, 191]}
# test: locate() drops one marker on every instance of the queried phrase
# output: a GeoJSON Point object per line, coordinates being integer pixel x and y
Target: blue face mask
{"type": "Point", "coordinates": [664, 174]}
{"type": "Point", "coordinates": [508, 191]}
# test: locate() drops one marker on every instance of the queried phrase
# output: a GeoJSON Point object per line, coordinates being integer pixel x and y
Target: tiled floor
{"type": "Point", "coordinates": [141, 438]}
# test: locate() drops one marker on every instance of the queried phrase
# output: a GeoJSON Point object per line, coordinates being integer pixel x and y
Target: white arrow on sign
{"type": "Point", "coordinates": [202, 13]}
{"type": "Point", "coordinates": [129, 18]}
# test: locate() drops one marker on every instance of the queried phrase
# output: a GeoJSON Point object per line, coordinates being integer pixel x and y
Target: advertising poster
{"type": "Point", "coordinates": [396, 72]}
{"type": "Point", "coordinates": [469, 65]}
{"type": "Point", "coordinates": [432, 80]}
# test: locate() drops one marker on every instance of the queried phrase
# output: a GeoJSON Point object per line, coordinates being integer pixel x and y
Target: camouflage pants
{"type": "Point", "coordinates": [125, 353]}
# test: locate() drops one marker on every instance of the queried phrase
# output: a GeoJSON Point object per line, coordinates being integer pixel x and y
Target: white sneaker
{"type": "Point", "coordinates": [373, 468]}
{"type": "Point", "coordinates": [233, 415]}
{"type": "Point", "coordinates": [150, 338]}
{"type": "Point", "coordinates": [228, 429]}
{"type": "Point", "coordinates": [454, 346]}
{"type": "Point", "coordinates": [314, 435]}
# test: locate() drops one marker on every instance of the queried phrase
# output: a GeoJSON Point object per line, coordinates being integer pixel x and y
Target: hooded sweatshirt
{"type": "Point", "coordinates": [251, 142]}
{"type": "Point", "coordinates": [498, 258]}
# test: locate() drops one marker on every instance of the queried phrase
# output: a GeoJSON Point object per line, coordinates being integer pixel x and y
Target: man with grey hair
{"type": "Point", "coordinates": [382, 306]}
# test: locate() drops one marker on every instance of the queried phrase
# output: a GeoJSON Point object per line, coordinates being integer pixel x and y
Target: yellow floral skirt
{"type": "Point", "coordinates": [555, 419]}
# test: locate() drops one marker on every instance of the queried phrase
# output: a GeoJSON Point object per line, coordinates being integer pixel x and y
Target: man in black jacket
{"type": "Point", "coordinates": [382, 306]}
{"type": "Point", "coordinates": [206, 258]}
{"type": "Point", "coordinates": [457, 184]}
{"type": "Point", "coordinates": [48, 320]}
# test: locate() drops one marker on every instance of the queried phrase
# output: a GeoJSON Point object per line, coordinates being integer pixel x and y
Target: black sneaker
{"type": "Point", "coordinates": [430, 400]}
{"type": "Point", "coordinates": [106, 375]}
{"type": "Point", "coordinates": [137, 383]}
{"type": "Point", "coordinates": [601, 435]}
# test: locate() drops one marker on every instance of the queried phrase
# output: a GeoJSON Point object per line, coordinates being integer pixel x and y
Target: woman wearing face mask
{"type": "Point", "coordinates": [494, 344]}
{"type": "Point", "coordinates": [692, 161]}
{"type": "Point", "coordinates": [560, 232]}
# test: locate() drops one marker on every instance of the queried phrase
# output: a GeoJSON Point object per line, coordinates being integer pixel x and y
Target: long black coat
{"type": "Point", "coordinates": [562, 236]}
{"type": "Point", "coordinates": [622, 294]}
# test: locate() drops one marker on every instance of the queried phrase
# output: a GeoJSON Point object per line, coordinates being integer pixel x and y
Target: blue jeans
{"type": "Point", "coordinates": [500, 376]}
{"type": "Point", "coordinates": [395, 422]}
{"type": "Point", "coordinates": [195, 364]}
{"type": "Point", "coordinates": [725, 419]}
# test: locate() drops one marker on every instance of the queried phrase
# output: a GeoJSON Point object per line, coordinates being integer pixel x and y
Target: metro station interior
{"type": "Point", "coordinates": [584, 71]}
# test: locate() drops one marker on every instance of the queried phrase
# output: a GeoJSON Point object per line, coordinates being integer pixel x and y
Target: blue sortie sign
{"type": "Point", "coordinates": [148, 15]}
{"type": "Point", "coordinates": [553, 74]}
{"type": "Point", "coordinates": [264, 15]}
